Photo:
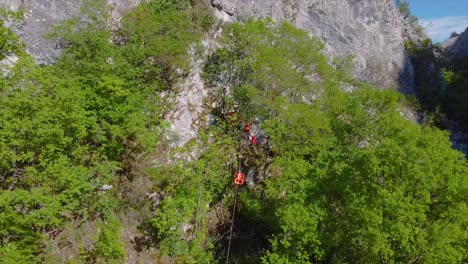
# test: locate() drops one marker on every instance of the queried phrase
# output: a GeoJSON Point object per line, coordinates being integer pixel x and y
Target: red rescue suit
{"type": "Point", "coordinates": [247, 128]}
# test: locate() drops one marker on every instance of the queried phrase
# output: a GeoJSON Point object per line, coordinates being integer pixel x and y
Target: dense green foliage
{"type": "Point", "coordinates": [67, 129]}
{"type": "Point", "coordinates": [108, 247]}
{"type": "Point", "coordinates": [9, 43]}
{"type": "Point", "coordinates": [192, 187]}
{"type": "Point", "coordinates": [337, 177]}
{"type": "Point", "coordinates": [351, 181]}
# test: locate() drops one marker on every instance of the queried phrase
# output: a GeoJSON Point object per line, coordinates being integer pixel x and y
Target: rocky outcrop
{"type": "Point", "coordinates": [453, 54]}
{"type": "Point", "coordinates": [40, 16]}
{"type": "Point", "coordinates": [457, 45]}
{"type": "Point", "coordinates": [371, 30]}
{"type": "Point", "coordinates": [190, 110]}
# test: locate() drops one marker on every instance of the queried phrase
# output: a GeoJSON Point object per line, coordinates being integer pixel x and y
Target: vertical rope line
{"type": "Point", "coordinates": [235, 202]}
{"type": "Point", "coordinates": [232, 225]}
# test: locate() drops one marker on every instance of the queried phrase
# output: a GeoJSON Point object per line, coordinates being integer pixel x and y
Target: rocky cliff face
{"type": "Point", "coordinates": [39, 16]}
{"type": "Point", "coordinates": [453, 54]}
{"type": "Point", "coordinates": [371, 30]}
{"type": "Point", "coordinates": [457, 45]}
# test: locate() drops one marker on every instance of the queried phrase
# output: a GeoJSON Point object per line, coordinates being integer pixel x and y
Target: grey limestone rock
{"type": "Point", "coordinates": [454, 34]}
{"type": "Point", "coordinates": [457, 45]}
{"type": "Point", "coordinates": [371, 30]}
{"type": "Point", "coordinates": [41, 15]}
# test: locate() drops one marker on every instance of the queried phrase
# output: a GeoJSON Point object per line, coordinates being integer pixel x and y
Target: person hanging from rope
{"type": "Point", "coordinates": [251, 136]}
{"type": "Point", "coordinates": [247, 128]}
{"type": "Point", "coordinates": [239, 178]}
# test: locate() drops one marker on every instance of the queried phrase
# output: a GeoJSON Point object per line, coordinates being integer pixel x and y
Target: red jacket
{"type": "Point", "coordinates": [247, 128]}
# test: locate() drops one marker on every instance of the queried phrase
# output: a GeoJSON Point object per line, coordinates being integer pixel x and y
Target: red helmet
{"type": "Point", "coordinates": [239, 178]}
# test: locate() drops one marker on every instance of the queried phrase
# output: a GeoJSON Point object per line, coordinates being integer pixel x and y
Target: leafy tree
{"type": "Point", "coordinates": [351, 179]}
{"type": "Point", "coordinates": [66, 129]}
{"type": "Point", "coordinates": [182, 219]}
{"type": "Point", "coordinates": [109, 248]}
{"type": "Point", "coordinates": [9, 42]}
{"type": "Point", "coordinates": [339, 177]}
{"type": "Point", "coordinates": [373, 195]}
{"type": "Point", "coordinates": [404, 9]}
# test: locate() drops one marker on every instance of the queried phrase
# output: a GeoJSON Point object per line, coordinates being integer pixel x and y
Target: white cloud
{"type": "Point", "coordinates": [439, 29]}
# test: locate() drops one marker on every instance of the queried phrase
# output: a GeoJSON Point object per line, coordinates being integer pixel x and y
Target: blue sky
{"type": "Point", "coordinates": [441, 17]}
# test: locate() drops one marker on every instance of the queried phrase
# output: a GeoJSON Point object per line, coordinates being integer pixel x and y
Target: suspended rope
{"type": "Point", "coordinates": [239, 177]}
{"type": "Point", "coordinates": [232, 224]}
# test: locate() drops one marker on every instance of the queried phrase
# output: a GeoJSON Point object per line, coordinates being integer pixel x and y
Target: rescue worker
{"type": "Point", "coordinates": [247, 128]}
